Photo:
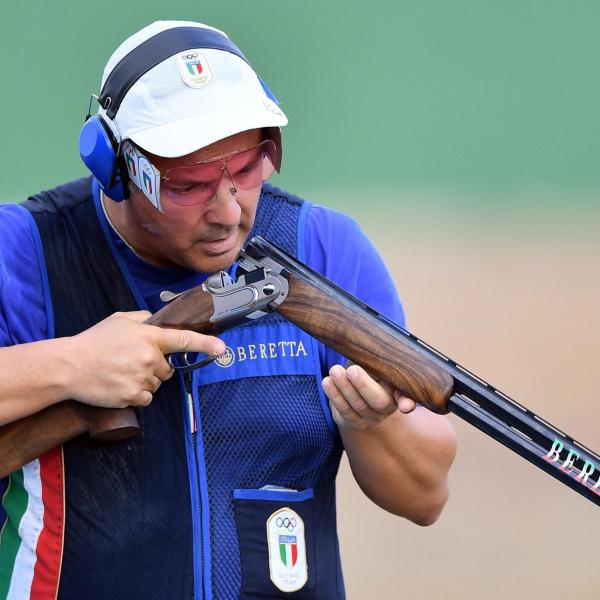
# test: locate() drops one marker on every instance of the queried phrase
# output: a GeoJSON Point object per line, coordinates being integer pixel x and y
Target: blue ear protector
{"type": "Point", "coordinates": [98, 146]}
{"type": "Point", "coordinates": [99, 150]}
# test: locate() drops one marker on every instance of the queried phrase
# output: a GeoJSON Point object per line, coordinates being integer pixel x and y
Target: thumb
{"type": "Point", "coordinates": [183, 340]}
{"type": "Point", "coordinates": [405, 405]}
{"type": "Point", "coordinates": [134, 315]}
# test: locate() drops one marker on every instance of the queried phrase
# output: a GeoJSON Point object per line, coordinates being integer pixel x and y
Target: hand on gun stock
{"type": "Point", "coordinates": [121, 361]}
{"type": "Point", "coordinates": [89, 383]}
{"type": "Point", "coordinates": [360, 402]}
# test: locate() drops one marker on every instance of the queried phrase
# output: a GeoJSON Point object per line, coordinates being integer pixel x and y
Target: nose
{"type": "Point", "coordinates": [224, 208]}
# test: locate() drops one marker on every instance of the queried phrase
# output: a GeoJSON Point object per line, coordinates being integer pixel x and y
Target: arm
{"type": "Point", "coordinates": [33, 377]}
{"type": "Point", "coordinates": [399, 455]}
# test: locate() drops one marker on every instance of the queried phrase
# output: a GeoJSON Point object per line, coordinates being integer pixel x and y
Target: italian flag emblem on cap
{"type": "Point", "coordinates": [194, 68]}
{"type": "Point", "coordinates": [131, 165]}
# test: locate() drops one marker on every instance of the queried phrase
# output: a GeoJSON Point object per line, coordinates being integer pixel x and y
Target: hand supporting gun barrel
{"type": "Point", "coordinates": [270, 280]}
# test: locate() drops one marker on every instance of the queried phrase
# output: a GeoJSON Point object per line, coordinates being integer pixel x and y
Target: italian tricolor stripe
{"type": "Point", "coordinates": [32, 538]}
{"type": "Point", "coordinates": [288, 554]}
{"type": "Point", "coordinates": [50, 542]}
{"type": "Point", "coordinates": [14, 503]}
{"type": "Point", "coordinates": [195, 68]}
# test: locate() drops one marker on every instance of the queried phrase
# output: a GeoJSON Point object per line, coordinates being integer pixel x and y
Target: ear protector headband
{"type": "Point", "coordinates": [98, 146]}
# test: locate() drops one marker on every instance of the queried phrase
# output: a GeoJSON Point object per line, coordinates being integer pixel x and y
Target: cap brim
{"type": "Point", "coordinates": [188, 135]}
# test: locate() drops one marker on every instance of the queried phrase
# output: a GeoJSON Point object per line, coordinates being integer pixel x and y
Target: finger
{"type": "Point", "coordinates": [169, 374]}
{"type": "Point", "coordinates": [142, 399]}
{"type": "Point", "coordinates": [376, 396]}
{"type": "Point", "coordinates": [386, 386]}
{"type": "Point", "coordinates": [351, 394]}
{"type": "Point", "coordinates": [163, 369]}
{"type": "Point", "coordinates": [342, 411]}
{"type": "Point", "coordinates": [344, 422]}
{"type": "Point", "coordinates": [154, 384]}
{"type": "Point", "coordinates": [182, 340]}
{"type": "Point", "coordinates": [146, 397]}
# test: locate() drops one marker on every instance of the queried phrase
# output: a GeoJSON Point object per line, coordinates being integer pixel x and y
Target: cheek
{"type": "Point", "coordinates": [180, 219]}
{"type": "Point", "coordinates": [184, 222]}
{"type": "Point", "coordinates": [248, 208]}
{"type": "Point", "coordinates": [172, 226]}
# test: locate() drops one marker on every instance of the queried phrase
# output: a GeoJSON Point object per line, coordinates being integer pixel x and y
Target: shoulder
{"type": "Point", "coordinates": [324, 223]}
{"type": "Point", "coordinates": [15, 227]}
{"type": "Point", "coordinates": [17, 243]}
{"type": "Point", "coordinates": [25, 300]}
{"type": "Point", "coordinates": [22, 298]}
{"type": "Point", "coordinates": [335, 243]}
{"type": "Point", "coordinates": [338, 248]}
{"type": "Point", "coordinates": [63, 196]}
{"type": "Point", "coordinates": [19, 236]}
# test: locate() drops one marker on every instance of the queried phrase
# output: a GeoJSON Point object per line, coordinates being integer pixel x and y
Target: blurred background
{"type": "Point", "coordinates": [464, 137]}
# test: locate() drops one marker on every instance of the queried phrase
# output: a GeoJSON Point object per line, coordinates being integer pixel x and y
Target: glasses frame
{"type": "Point", "coordinates": [224, 158]}
{"type": "Point", "coordinates": [141, 170]}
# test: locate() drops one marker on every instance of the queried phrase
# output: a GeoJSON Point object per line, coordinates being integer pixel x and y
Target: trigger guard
{"type": "Point", "coordinates": [181, 360]}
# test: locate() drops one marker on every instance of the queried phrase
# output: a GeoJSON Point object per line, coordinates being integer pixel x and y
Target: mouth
{"type": "Point", "coordinates": [221, 245]}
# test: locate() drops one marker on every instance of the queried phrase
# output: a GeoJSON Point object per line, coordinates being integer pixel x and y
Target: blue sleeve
{"type": "Point", "coordinates": [4, 337]}
{"type": "Point", "coordinates": [24, 293]}
{"type": "Point", "coordinates": [336, 247]}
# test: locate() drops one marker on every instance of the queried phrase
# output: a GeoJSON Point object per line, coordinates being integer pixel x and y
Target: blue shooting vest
{"type": "Point", "coordinates": [181, 511]}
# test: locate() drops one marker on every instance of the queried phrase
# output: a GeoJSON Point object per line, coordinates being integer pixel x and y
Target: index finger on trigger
{"type": "Point", "coordinates": [183, 340]}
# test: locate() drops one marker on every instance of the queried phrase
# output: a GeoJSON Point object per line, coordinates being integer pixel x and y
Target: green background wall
{"type": "Point", "coordinates": [465, 103]}
{"type": "Point", "coordinates": [469, 115]}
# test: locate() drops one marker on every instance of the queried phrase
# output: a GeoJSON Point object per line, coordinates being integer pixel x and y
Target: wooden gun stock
{"type": "Point", "coordinates": [26, 439]}
{"type": "Point", "coordinates": [323, 313]}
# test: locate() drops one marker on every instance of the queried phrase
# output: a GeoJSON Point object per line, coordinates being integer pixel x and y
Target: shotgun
{"type": "Point", "coordinates": [270, 280]}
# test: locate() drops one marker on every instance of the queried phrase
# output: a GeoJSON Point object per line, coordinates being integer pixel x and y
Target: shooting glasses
{"type": "Point", "coordinates": [197, 184]}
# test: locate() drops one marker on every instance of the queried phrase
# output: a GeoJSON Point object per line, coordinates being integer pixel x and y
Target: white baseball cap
{"type": "Point", "coordinates": [190, 100]}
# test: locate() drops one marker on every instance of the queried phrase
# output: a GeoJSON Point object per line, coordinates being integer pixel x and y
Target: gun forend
{"type": "Point", "coordinates": [352, 328]}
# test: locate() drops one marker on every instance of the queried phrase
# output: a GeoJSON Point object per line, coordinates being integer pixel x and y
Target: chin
{"type": "Point", "coordinates": [212, 263]}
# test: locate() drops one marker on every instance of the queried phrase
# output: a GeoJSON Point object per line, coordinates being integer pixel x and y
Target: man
{"type": "Point", "coordinates": [230, 490]}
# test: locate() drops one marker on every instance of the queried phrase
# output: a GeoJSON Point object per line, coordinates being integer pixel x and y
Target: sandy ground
{"type": "Point", "coordinates": [516, 303]}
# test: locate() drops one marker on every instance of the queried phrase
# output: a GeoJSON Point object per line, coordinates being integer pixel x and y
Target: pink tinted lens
{"type": "Point", "coordinates": [197, 184]}
{"type": "Point", "coordinates": [250, 168]}
{"type": "Point", "coordinates": [187, 186]}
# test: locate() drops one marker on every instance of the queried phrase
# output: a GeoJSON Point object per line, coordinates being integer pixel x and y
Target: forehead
{"type": "Point", "coordinates": [233, 143]}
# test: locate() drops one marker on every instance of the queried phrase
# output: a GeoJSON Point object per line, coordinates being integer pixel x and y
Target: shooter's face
{"type": "Point", "coordinates": [206, 236]}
